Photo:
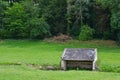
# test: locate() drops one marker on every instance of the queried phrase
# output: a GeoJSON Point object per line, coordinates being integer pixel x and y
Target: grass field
{"type": "Point", "coordinates": [13, 52]}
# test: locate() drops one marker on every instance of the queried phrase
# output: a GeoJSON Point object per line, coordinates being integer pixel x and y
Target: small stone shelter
{"type": "Point", "coordinates": [79, 58]}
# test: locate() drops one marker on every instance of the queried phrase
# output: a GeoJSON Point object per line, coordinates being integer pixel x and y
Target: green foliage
{"type": "Point", "coordinates": [3, 6]}
{"type": "Point", "coordinates": [15, 21]}
{"type": "Point", "coordinates": [86, 33]}
{"type": "Point", "coordinates": [114, 6]}
{"type": "Point", "coordinates": [107, 34]}
{"type": "Point", "coordinates": [31, 9]}
{"type": "Point", "coordinates": [118, 38]}
{"type": "Point", "coordinates": [77, 14]}
{"type": "Point", "coordinates": [115, 20]}
{"type": "Point", "coordinates": [2, 33]}
{"type": "Point", "coordinates": [62, 16]}
{"type": "Point", "coordinates": [39, 28]}
{"type": "Point", "coordinates": [54, 11]}
{"type": "Point", "coordinates": [1, 14]}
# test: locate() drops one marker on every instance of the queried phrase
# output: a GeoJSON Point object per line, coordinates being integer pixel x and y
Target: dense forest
{"type": "Point", "coordinates": [39, 19]}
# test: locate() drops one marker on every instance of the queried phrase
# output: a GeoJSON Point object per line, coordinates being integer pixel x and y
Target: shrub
{"type": "Point", "coordinates": [39, 29]}
{"type": "Point", "coordinates": [86, 33]}
{"type": "Point", "coordinates": [107, 35]}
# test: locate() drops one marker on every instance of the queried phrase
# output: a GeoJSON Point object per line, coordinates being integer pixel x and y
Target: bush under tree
{"type": "Point", "coordinates": [86, 33]}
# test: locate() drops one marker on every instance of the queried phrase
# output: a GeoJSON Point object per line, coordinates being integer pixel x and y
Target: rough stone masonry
{"type": "Point", "coordinates": [79, 58]}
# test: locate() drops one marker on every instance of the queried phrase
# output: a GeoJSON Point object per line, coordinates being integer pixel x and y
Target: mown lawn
{"type": "Point", "coordinates": [23, 73]}
{"type": "Point", "coordinates": [49, 53]}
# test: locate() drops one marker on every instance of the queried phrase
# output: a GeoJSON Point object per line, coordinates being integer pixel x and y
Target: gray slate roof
{"type": "Point", "coordinates": [79, 54]}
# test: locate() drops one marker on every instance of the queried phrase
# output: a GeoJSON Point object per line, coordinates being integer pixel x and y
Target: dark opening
{"type": "Point", "coordinates": [79, 65]}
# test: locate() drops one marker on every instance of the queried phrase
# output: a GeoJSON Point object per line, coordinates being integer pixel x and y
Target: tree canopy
{"type": "Point", "coordinates": [38, 19]}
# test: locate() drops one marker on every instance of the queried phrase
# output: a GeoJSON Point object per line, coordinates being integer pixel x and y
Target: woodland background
{"type": "Point", "coordinates": [39, 19]}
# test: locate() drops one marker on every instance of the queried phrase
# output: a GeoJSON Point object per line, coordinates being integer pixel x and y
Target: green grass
{"type": "Point", "coordinates": [23, 73]}
{"type": "Point", "coordinates": [49, 53]}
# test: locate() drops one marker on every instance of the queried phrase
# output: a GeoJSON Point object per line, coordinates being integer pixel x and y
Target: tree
{"type": "Point", "coordinates": [114, 6]}
{"type": "Point", "coordinates": [1, 14]}
{"type": "Point", "coordinates": [15, 21]}
{"type": "Point", "coordinates": [37, 27]}
{"type": "Point", "coordinates": [54, 11]}
{"type": "Point", "coordinates": [77, 14]}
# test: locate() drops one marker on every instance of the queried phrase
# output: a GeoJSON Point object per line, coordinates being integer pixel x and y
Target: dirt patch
{"type": "Point", "coordinates": [33, 66]}
{"type": "Point", "coordinates": [60, 38]}
{"type": "Point", "coordinates": [1, 41]}
{"type": "Point", "coordinates": [44, 67]}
